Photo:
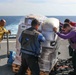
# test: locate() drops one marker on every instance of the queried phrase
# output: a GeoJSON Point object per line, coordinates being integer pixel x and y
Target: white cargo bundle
{"type": "Point", "coordinates": [17, 60]}
{"type": "Point", "coordinates": [48, 44]}
{"type": "Point", "coordinates": [49, 23]}
{"type": "Point", "coordinates": [49, 48]}
{"type": "Point", "coordinates": [22, 26]}
{"type": "Point", "coordinates": [49, 35]}
{"type": "Point", "coordinates": [44, 65]}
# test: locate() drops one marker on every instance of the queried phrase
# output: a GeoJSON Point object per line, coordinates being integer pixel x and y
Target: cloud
{"type": "Point", "coordinates": [25, 1]}
{"type": "Point", "coordinates": [22, 1]}
{"type": "Point", "coordinates": [40, 1]}
{"type": "Point", "coordinates": [37, 1]}
{"type": "Point", "coordinates": [44, 7]}
{"type": "Point", "coordinates": [5, 1]}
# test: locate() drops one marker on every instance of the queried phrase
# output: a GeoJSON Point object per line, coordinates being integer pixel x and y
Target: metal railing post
{"type": "Point", "coordinates": [7, 45]}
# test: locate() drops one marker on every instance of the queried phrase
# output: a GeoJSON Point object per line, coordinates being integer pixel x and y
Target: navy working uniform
{"type": "Point", "coordinates": [30, 40]}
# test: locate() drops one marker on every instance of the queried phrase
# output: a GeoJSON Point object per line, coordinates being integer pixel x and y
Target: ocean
{"type": "Point", "coordinates": [12, 22]}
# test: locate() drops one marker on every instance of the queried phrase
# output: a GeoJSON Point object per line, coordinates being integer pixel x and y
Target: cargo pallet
{"type": "Point", "coordinates": [15, 69]}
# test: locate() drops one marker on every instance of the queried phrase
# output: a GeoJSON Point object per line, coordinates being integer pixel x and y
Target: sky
{"type": "Point", "coordinates": [43, 7]}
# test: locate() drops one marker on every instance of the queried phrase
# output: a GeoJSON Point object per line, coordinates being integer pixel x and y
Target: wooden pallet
{"type": "Point", "coordinates": [15, 69]}
{"type": "Point", "coordinates": [43, 73]}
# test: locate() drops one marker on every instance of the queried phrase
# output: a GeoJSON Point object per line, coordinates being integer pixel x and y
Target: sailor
{"type": "Point", "coordinates": [30, 40]}
{"type": "Point", "coordinates": [2, 29]}
{"type": "Point", "coordinates": [71, 35]}
{"type": "Point", "coordinates": [70, 22]}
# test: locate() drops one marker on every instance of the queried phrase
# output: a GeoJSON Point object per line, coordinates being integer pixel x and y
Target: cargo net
{"type": "Point", "coordinates": [64, 67]}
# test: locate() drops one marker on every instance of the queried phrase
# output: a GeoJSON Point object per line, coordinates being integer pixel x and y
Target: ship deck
{"type": "Point", "coordinates": [7, 70]}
